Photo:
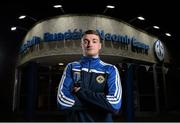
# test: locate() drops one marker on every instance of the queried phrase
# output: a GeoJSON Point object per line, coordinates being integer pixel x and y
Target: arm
{"type": "Point", "coordinates": [65, 97]}
{"type": "Point", "coordinates": [111, 101]}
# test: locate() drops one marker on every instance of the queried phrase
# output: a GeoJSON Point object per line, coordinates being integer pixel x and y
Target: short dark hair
{"type": "Point", "coordinates": [92, 32]}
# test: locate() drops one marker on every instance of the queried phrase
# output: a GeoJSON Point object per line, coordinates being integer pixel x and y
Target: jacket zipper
{"type": "Point", "coordinates": [90, 74]}
{"type": "Point", "coordinates": [89, 66]}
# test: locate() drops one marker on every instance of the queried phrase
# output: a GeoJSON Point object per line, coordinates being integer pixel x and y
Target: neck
{"type": "Point", "coordinates": [96, 56]}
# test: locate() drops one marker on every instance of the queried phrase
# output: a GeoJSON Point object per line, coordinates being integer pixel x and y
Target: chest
{"type": "Point", "coordinates": [92, 80]}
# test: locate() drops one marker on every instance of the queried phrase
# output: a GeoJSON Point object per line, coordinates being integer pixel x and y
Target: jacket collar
{"type": "Point", "coordinates": [90, 60]}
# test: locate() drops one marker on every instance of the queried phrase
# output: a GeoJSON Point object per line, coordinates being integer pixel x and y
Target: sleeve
{"type": "Point", "coordinates": [114, 95]}
{"type": "Point", "coordinates": [111, 101]}
{"type": "Point", "coordinates": [65, 98]}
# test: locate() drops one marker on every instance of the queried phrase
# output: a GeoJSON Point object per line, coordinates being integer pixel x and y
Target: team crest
{"type": "Point", "coordinates": [100, 79]}
{"type": "Point", "coordinates": [77, 76]}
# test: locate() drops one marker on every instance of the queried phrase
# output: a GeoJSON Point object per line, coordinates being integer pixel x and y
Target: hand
{"type": "Point", "coordinates": [76, 89]}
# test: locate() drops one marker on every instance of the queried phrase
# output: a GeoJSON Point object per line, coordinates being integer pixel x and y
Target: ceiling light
{"type": "Point", "coordinates": [18, 27]}
{"type": "Point", "coordinates": [13, 28]}
{"type": "Point", "coordinates": [168, 34]}
{"type": "Point", "coordinates": [22, 16]}
{"type": "Point", "coordinates": [156, 27]}
{"type": "Point", "coordinates": [110, 6]}
{"type": "Point", "coordinates": [141, 18]}
{"type": "Point", "coordinates": [60, 63]}
{"type": "Point", "coordinates": [57, 6]}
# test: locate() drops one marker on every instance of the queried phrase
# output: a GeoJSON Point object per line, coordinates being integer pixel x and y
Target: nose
{"type": "Point", "coordinates": [89, 43]}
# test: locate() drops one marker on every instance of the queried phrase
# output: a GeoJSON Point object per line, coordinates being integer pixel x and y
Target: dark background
{"type": "Point", "coordinates": [164, 14]}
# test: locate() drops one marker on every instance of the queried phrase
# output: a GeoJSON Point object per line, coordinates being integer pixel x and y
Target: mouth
{"type": "Point", "coordinates": [89, 49]}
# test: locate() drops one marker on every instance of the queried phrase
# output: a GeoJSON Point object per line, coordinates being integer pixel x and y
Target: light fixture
{"type": "Point", "coordinates": [110, 6]}
{"type": "Point", "coordinates": [57, 6]}
{"type": "Point", "coordinates": [22, 16]}
{"type": "Point", "coordinates": [168, 34]}
{"type": "Point", "coordinates": [14, 28]}
{"type": "Point", "coordinates": [149, 27]}
{"type": "Point", "coordinates": [60, 64]}
{"type": "Point", "coordinates": [141, 18]}
{"type": "Point", "coordinates": [156, 27]}
{"type": "Point", "coordinates": [26, 16]}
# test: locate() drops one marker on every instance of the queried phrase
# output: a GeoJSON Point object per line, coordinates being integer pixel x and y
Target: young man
{"type": "Point", "coordinates": [90, 90]}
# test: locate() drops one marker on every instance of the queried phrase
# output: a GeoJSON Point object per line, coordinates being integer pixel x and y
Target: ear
{"type": "Point", "coordinates": [81, 45]}
{"type": "Point", "coordinates": [100, 45]}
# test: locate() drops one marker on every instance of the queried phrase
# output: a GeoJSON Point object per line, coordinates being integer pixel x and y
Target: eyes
{"type": "Point", "coordinates": [94, 41]}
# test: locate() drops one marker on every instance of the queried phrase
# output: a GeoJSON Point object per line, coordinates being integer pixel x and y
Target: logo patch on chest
{"type": "Point", "coordinates": [77, 76]}
{"type": "Point", "coordinates": [100, 79]}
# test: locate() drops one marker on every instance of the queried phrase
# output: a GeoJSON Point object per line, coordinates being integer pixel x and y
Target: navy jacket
{"type": "Point", "coordinates": [100, 95]}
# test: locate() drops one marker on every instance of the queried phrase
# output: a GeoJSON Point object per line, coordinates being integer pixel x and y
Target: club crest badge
{"type": "Point", "coordinates": [100, 79]}
{"type": "Point", "coordinates": [77, 76]}
{"type": "Point", "coordinates": [159, 50]}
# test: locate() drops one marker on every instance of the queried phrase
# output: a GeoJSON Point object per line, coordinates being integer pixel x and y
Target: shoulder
{"type": "Point", "coordinates": [75, 64]}
{"type": "Point", "coordinates": [109, 67]}
{"type": "Point", "coordinates": [105, 64]}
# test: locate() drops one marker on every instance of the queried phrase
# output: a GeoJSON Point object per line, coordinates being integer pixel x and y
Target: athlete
{"type": "Point", "coordinates": [90, 90]}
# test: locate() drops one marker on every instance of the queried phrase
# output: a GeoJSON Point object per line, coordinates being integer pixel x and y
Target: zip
{"type": "Point", "coordinates": [90, 74]}
{"type": "Point", "coordinates": [89, 66]}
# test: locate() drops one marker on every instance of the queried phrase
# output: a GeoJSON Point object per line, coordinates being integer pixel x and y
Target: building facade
{"type": "Point", "coordinates": [142, 59]}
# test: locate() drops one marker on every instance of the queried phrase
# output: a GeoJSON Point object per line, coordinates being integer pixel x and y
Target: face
{"type": "Point", "coordinates": [90, 45]}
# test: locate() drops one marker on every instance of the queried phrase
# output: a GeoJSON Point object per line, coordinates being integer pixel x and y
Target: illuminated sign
{"type": "Point", "coordinates": [34, 41]}
{"type": "Point", "coordinates": [136, 45]}
{"type": "Point", "coordinates": [159, 50]}
{"type": "Point", "coordinates": [69, 35]}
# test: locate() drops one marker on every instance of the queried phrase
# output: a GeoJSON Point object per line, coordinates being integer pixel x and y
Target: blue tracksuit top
{"type": "Point", "coordinates": [100, 94]}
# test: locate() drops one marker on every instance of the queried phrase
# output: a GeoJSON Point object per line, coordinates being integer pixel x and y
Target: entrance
{"type": "Point", "coordinates": [36, 99]}
{"type": "Point", "coordinates": [143, 90]}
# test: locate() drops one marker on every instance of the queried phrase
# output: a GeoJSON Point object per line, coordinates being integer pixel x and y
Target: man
{"type": "Point", "coordinates": [90, 90]}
